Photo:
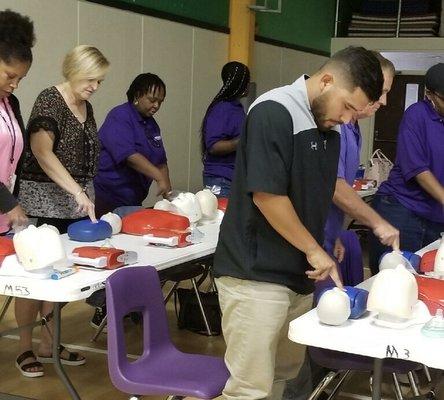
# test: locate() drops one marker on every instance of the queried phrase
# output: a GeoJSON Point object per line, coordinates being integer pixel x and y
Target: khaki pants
{"type": "Point", "coordinates": [255, 319]}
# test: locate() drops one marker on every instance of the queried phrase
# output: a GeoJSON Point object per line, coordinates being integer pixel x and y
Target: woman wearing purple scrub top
{"type": "Point", "coordinates": [412, 198]}
{"type": "Point", "coordinates": [132, 154]}
{"type": "Point", "coordinates": [221, 128]}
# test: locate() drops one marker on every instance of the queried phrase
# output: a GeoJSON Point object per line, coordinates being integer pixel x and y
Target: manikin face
{"type": "Point", "coordinates": [148, 104]}
{"type": "Point", "coordinates": [11, 74]}
{"type": "Point", "coordinates": [336, 104]}
{"type": "Point", "coordinates": [371, 109]}
{"type": "Point", "coordinates": [83, 89]}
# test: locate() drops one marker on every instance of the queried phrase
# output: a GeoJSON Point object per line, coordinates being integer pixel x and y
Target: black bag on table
{"type": "Point", "coordinates": [190, 317]}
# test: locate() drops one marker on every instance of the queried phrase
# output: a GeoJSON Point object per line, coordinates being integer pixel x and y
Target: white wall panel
{"type": "Point", "coordinates": [55, 24]}
{"type": "Point", "coordinates": [168, 52]}
{"type": "Point", "coordinates": [210, 55]}
{"type": "Point", "coordinates": [267, 67]}
{"type": "Point", "coordinates": [118, 35]}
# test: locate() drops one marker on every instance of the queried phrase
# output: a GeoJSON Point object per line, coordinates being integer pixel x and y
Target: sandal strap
{"type": "Point", "coordinates": [30, 365]}
{"type": "Point", "coordinates": [27, 354]}
{"type": "Point", "coordinates": [73, 356]}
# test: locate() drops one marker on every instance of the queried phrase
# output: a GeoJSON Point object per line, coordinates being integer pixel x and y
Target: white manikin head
{"type": "Point", "coordinates": [38, 247]}
{"type": "Point", "coordinates": [208, 203]}
{"type": "Point", "coordinates": [334, 307]}
{"type": "Point", "coordinates": [114, 220]}
{"type": "Point", "coordinates": [393, 294]}
{"type": "Point", "coordinates": [166, 205]}
{"type": "Point", "coordinates": [188, 205]}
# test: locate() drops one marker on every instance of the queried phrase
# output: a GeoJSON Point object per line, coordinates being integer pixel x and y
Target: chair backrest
{"type": "Point", "coordinates": [134, 289]}
{"type": "Point", "coordinates": [352, 268]}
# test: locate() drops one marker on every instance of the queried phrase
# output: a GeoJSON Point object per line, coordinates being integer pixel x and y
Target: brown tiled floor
{"type": "Point", "coordinates": [91, 380]}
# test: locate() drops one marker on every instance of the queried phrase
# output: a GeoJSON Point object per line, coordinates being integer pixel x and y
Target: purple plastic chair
{"type": "Point", "coordinates": [161, 369]}
{"type": "Point", "coordinates": [340, 365]}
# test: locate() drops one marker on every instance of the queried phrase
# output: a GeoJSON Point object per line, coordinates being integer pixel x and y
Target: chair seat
{"type": "Point", "coordinates": [182, 273]}
{"type": "Point", "coordinates": [336, 360]}
{"type": "Point", "coordinates": [171, 372]}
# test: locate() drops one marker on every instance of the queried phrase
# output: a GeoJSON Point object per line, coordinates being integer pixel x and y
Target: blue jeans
{"type": "Point", "coordinates": [221, 187]}
{"type": "Point", "coordinates": [415, 232]}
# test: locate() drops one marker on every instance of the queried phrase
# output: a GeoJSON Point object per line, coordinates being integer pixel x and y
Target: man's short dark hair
{"type": "Point", "coordinates": [361, 68]}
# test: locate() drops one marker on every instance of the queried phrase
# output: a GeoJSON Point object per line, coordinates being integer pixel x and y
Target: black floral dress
{"type": "Point", "coordinates": [76, 145]}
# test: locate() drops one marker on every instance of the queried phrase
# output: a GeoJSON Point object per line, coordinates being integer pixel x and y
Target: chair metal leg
{"type": "Point", "coordinates": [398, 391]}
{"type": "Point", "coordinates": [426, 372]}
{"type": "Point", "coordinates": [99, 329]}
{"type": "Point", "coordinates": [5, 306]}
{"type": "Point", "coordinates": [170, 292]}
{"type": "Point", "coordinates": [175, 397]}
{"type": "Point", "coordinates": [413, 383]}
{"type": "Point", "coordinates": [323, 385]}
{"type": "Point", "coordinates": [338, 385]}
{"type": "Point", "coordinates": [204, 316]}
{"type": "Point", "coordinates": [134, 397]}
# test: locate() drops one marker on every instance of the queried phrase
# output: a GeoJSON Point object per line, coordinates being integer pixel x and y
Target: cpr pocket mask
{"type": "Point", "coordinates": [158, 227]}
{"type": "Point", "coordinates": [392, 259]}
{"type": "Point", "coordinates": [88, 231]}
{"type": "Point", "coordinates": [114, 220]}
{"type": "Point", "coordinates": [38, 248]}
{"type": "Point", "coordinates": [435, 327]}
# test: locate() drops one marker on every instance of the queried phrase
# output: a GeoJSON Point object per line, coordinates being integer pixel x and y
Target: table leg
{"type": "Point", "coordinates": [56, 356]}
{"type": "Point", "coordinates": [377, 379]}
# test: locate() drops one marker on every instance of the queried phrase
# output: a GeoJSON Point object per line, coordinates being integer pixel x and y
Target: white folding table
{"type": "Point", "coordinates": [363, 337]}
{"type": "Point", "coordinates": [83, 283]}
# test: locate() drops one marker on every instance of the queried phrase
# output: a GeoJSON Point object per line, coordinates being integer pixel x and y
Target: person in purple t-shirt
{"type": "Point", "coordinates": [132, 154]}
{"type": "Point", "coordinates": [345, 199]}
{"type": "Point", "coordinates": [412, 198]}
{"type": "Point", "coordinates": [221, 128]}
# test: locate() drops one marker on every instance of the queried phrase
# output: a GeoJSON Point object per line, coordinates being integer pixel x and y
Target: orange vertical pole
{"type": "Point", "coordinates": [242, 29]}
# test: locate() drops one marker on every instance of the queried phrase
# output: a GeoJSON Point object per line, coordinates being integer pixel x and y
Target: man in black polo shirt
{"type": "Point", "coordinates": [269, 251]}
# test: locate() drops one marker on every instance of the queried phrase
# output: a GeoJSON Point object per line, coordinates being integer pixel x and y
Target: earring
{"type": "Point", "coordinates": [136, 102]}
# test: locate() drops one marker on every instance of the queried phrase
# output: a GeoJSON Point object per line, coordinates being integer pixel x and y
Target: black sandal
{"type": "Point", "coordinates": [73, 359]}
{"type": "Point", "coordinates": [24, 369]}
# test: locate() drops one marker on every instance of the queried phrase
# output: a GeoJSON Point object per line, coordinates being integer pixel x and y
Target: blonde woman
{"type": "Point", "coordinates": [61, 161]}
{"type": "Point", "coordinates": [56, 184]}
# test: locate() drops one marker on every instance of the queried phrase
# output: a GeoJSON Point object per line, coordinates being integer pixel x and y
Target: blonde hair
{"type": "Point", "coordinates": [84, 62]}
{"type": "Point", "coordinates": [386, 64]}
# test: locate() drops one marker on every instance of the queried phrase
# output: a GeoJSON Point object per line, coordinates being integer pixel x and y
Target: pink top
{"type": "Point", "coordinates": [11, 147]}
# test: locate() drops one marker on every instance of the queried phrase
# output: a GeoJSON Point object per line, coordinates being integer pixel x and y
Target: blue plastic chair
{"type": "Point", "coordinates": [161, 369]}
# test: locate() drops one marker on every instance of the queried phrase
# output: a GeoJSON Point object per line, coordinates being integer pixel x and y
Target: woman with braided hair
{"type": "Point", "coordinates": [221, 128]}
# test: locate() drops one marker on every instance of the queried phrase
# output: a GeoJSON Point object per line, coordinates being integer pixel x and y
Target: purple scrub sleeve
{"type": "Point", "coordinates": [224, 121]}
{"type": "Point", "coordinates": [126, 132]}
{"type": "Point", "coordinates": [420, 148]}
{"type": "Point", "coordinates": [351, 142]}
